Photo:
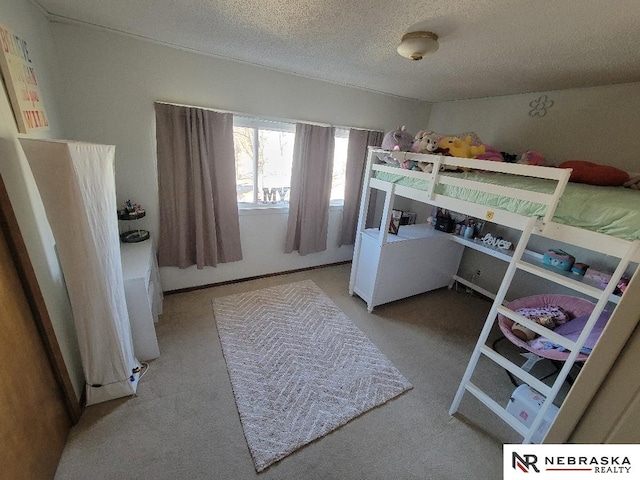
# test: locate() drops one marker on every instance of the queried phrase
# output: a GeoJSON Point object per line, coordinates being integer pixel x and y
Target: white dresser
{"type": "Point", "coordinates": [144, 296]}
{"type": "Point", "coordinates": [416, 260]}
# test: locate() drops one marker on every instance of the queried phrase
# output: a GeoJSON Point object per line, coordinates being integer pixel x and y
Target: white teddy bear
{"type": "Point", "coordinates": [633, 182]}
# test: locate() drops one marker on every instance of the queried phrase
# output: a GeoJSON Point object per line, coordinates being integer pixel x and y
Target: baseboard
{"type": "Point", "coordinates": [257, 277]}
{"type": "Point", "coordinates": [475, 287]}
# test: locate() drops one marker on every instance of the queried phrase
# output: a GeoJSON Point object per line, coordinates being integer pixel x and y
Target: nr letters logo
{"type": "Point", "coordinates": [524, 462]}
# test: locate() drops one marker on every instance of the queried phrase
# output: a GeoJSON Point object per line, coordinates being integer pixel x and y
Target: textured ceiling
{"type": "Point", "coordinates": [487, 47]}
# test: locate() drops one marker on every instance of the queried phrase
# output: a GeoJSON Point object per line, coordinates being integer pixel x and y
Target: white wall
{"type": "Point", "coordinates": [110, 82]}
{"type": "Point", "coordinates": [27, 21]}
{"type": "Point", "coordinates": [597, 124]}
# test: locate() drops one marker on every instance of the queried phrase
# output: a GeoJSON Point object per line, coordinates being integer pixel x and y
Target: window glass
{"type": "Point", "coordinates": [264, 156]}
{"type": "Point", "coordinates": [339, 164]}
{"type": "Point", "coordinates": [243, 141]}
{"type": "Point", "coordinates": [274, 166]}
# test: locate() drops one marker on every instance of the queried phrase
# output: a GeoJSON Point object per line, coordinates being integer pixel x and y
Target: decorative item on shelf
{"type": "Point", "coordinates": [468, 227]}
{"type": "Point", "coordinates": [622, 286]}
{"type": "Point", "coordinates": [579, 268]}
{"type": "Point", "coordinates": [597, 278]}
{"type": "Point", "coordinates": [394, 224]}
{"type": "Point", "coordinates": [497, 242]}
{"type": "Point", "coordinates": [558, 259]}
{"type": "Point", "coordinates": [444, 222]}
{"type": "Point", "coordinates": [399, 218]}
{"type": "Point", "coordinates": [132, 211]}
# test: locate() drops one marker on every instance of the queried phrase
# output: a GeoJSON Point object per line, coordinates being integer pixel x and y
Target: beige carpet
{"type": "Point", "coordinates": [299, 368]}
{"type": "Point", "coordinates": [184, 422]}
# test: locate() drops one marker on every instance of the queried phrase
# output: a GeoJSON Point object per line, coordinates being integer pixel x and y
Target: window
{"type": "Point", "coordinates": [264, 155]}
{"type": "Point", "coordinates": [339, 165]}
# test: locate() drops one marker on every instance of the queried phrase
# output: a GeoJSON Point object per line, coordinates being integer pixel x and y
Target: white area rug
{"type": "Point", "coordinates": [298, 366]}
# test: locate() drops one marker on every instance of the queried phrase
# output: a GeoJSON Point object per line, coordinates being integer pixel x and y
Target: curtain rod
{"type": "Point", "coordinates": [275, 119]}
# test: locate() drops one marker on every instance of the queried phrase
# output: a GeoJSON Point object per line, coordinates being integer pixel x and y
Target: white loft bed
{"type": "Point", "coordinates": [389, 267]}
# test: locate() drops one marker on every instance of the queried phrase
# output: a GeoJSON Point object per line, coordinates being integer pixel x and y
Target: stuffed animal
{"type": "Point", "coordinates": [398, 140]}
{"type": "Point", "coordinates": [425, 141]}
{"type": "Point", "coordinates": [461, 148]}
{"type": "Point", "coordinates": [491, 153]}
{"type": "Point", "coordinates": [530, 157]}
{"type": "Point", "coordinates": [633, 182]}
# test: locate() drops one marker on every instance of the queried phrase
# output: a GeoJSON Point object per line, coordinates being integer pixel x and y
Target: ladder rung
{"type": "Point", "coordinates": [536, 327]}
{"type": "Point", "coordinates": [497, 409]}
{"type": "Point", "coordinates": [523, 375]}
{"type": "Point", "coordinates": [554, 277]}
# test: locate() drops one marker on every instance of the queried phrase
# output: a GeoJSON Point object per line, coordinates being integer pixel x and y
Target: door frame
{"type": "Point", "coordinates": [35, 299]}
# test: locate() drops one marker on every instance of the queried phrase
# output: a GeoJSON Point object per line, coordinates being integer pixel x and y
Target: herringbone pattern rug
{"type": "Point", "coordinates": [298, 366]}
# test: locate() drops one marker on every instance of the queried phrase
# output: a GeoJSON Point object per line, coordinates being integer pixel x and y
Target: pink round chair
{"type": "Point", "coordinates": [575, 306]}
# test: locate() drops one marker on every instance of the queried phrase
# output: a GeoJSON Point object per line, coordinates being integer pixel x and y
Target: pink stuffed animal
{"type": "Point", "coordinates": [491, 153]}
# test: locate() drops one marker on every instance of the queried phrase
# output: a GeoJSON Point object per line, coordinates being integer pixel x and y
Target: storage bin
{"type": "Point", "coordinates": [525, 404]}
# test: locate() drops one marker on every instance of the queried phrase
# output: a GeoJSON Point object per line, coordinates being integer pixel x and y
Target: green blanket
{"type": "Point", "coordinates": [610, 210]}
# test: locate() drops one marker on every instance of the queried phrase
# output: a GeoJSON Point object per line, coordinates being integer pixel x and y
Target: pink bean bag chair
{"type": "Point", "coordinates": [575, 306]}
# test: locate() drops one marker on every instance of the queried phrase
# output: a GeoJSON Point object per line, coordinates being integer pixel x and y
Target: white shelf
{"type": "Point", "coordinates": [534, 259]}
{"type": "Point", "coordinates": [144, 296]}
{"type": "Point", "coordinates": [476, 244]}
{"type": "Point", "coordinates": [407, 232]}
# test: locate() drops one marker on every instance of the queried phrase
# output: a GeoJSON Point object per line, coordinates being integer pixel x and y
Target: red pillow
{"type": "Point", "coordinates": [594, 174]}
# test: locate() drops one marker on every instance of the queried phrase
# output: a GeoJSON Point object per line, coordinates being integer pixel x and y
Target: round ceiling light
{"type": "Point", "coordinates": [415, 45]}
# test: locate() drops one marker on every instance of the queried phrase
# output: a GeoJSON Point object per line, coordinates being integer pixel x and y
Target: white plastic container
{"type": "Point", "coordinates": [524, 404]}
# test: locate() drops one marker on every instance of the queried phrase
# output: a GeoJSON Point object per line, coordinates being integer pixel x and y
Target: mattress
{"type": "Point", "coordinates": [612, 211]}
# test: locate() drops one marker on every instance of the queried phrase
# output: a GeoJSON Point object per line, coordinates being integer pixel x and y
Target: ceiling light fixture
{"type": "Point", "coordinates": [415, 45]}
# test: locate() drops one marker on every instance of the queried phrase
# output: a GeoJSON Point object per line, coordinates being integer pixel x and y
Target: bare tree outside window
{"type": "Point", "coordinates": [264, 155]}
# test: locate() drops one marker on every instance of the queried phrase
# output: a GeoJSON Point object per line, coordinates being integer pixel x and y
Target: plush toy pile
{"type": "Point", "coordinates": [469, 145]}
{"type": "Point", "coordinates": [462, 145]}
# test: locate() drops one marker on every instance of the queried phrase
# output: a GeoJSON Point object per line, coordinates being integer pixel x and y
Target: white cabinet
{"type": "Point", "coordinates": [144, 296]}
{"type": "Point", "coordinates": [417, 260]}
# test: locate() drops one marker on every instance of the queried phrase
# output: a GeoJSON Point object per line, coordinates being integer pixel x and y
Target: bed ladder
{"type": "Point", "coordinates": [481, 348]}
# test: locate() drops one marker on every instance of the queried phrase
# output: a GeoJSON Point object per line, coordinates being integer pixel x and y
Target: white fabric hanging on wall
{"type": "Point", "coordinates": [77, 185]}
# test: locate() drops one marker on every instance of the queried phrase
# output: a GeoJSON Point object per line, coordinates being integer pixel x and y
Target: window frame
{"type": "Point", "coordinates": [263, 123]}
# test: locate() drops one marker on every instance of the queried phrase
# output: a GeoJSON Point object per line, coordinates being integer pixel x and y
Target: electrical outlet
{"type": "Point", "coordinates": [478, 273]}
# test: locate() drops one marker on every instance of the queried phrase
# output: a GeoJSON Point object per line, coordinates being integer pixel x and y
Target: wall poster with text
{"type": "Point", "coordinates": [21, 83]}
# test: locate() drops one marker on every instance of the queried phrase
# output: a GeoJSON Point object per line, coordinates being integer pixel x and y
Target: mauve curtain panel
{"type": "Point", "coordinates": [311, 177]}
{"type": "Point", "coordinates": [199, 222]}
{"type": "Point", "coordinates": [357, 151]}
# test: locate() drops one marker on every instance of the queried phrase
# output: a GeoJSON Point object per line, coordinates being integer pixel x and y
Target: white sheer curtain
{"type": "Point", "coordinates": [357, 150]}
{"type": "Point", "coordinates": [199, 222]}
{"type": "Point", "coordinates": [311, 177]}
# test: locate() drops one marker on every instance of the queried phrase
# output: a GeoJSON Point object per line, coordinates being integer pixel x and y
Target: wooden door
{"type": "Point", "coordinates": [34, 415]}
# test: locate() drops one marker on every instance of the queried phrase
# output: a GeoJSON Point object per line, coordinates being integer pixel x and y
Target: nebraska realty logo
{"type": "Point", "coordinates": [571, 461]}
